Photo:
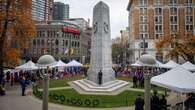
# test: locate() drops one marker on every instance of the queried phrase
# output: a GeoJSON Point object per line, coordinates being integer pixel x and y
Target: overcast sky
{"type": "Point", "coordinates": [84, 9]}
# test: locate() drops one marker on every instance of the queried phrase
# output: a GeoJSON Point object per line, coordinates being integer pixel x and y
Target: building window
{"type": "Point", "coordinates": [75, 44]}
{"type": "Point", "coordinates": [143, 19]}
{"type": "Point", "coordinates": [142, 2]}
{"type": "Point", "coordinates": [158, 36]}
{"type": "Point", "coordinates": [189, 10]}
{"type": "Point", "coordinates": [42, 42]}
{"type": "Point", "coordinates": [143, 35]}
{"type": "Point", "coordinates": [38, 42]}
{"type": "Point", "coordinates": [158, 2]}
{"type": "Point", "coordinates": [158, 19]}
{"type": "Point", "coordinates": [158, 28]}
{"type": "Point", "coordinates": [143, 10]}
{"type": "Point", "coordinates": [172, 45]}
{"type": "Point", "coordinates": [143, 28]}
{"type": "Point", "coordinates": [189, 19]}
{"type": "Point", "coordinates": [174, 28]}
{"type": "Point", "coordinates": [173, 2]}
{"type": "Point", "coordinates": [188, 1]}
{"type": "Point", "coordinates": [72, 43]}
{"type": "Point", "coordinates": [57, 42]}
{"type": "Point", "coordinates": [173, 19]}
{"type": "Point", "coordinates": [173, 10]}
{"type": "Point", "coordinates": [78, 44]}
{"type": "Point", "coordinates": [34, 42]}
{"type": "Point", "coordinates": [66, 43]}
{"type": "Point", "coordinates": [142, 45]}
{"type": "Point", "coordinates": [158, 11]}
{"type": "Point", "coordinates": [189, 28]}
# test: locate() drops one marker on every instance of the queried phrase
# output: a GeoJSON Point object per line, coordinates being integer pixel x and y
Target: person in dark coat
{"type": "Point", "coordinates": [100, 77]}
{"type": "Point", "coordinates": [163, 103]}
{"type": "Point", "coordinates": [139, 103]}
{"type": "Point", "coordinates": [23, 84]}
{"type": "Point", "coordinates": [155, 101]}
{"type": "Point", "coordinates": [134, 81]}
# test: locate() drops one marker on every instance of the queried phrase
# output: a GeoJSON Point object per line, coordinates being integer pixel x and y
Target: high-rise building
{"type": "Point", "coordinates": [150, 20]}
{"type": "Point", "coordinates": [42, 10]}
{"type": "Point", "coordinates": [61, 11]}
{"type": "Point", "coordinates": [67, 11]}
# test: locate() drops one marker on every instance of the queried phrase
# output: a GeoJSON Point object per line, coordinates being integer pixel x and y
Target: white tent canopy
{"type": "Point", "coordinates": [74, 63]}
{"type": "Point", "coordinates": [136, 64]}
{"type": "Point", "coordinates": [27, 66]}
{"type": "Point", "coordinates": [177, 79]}
{"type": "Point", "coordinates": [170, 64]}
{"type": "Point", "coordinates": [59, 64]}
{"type": "Point", "coordinates": [189, 66]}
{"type": "Point", "coordinates": [159, 63]}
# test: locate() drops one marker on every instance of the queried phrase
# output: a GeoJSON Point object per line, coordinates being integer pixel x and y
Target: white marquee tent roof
{"type": "Point", "coordinates": [189, 66]}
{"type": "Point", "coordinates": [27, 66]}
{"type": "Point", "coordinates": [178, 79]}
{"type": "Point", "coordinates": [170, 64]}
{"type": "Point", "coordinates": [159, 63]}
{"type": "Point", "coordinates": [59, 64]}
{"type": "Point", "coordinates": [136, 64]}
{"type": "Point", "coordinates": [74, 63]}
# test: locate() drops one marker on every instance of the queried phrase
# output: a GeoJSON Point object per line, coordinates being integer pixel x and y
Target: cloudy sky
{"type": "Point", "coordinates": [84, 9]}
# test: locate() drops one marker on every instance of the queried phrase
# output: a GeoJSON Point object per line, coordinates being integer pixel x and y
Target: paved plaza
{"type": "Point", "coordinates": [14, 101]}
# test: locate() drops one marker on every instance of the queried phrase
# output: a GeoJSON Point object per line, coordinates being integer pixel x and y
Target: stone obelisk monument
{"type": "Point", "coordinates": [101, 59]}
{"type": "Point", "coordinates": [101, 79]}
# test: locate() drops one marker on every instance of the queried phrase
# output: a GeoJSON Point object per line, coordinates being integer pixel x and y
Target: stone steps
{"type": "Point", "coordinates": [104, 87]}
{"type": "Point", "coordinates": [111, 88]}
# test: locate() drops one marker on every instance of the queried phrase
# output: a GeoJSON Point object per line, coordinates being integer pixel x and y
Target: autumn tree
{"type": "Point", "coordinates": [117, 52]}
{"type": "Point", "coordinates": [16, 29]}
{"type": "Point", "coordinates": [183, 46]}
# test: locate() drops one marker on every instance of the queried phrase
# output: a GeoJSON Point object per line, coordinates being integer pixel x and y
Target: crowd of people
{"type": "Point", "coordinates": [156, 102]}
{"type": "Point", "coordinates": [190, 101]}
{"type": "Point", "coordinates": [26, 77]}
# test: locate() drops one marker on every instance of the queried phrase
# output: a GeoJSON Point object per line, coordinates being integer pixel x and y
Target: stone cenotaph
{"type": "Point", "coordinates": [100, 76]}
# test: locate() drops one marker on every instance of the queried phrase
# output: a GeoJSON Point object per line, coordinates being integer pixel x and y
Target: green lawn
{"type": "Point", "coordinates": [125, 78]}
{"type": "Point", "coordinates": [72, 98]}
{"type": "Point", "coordinates": [60, 82]}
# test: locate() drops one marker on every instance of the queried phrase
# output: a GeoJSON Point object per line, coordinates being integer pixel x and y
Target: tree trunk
{"type": "Point", "coordinates": [1, 62]}
{"type": "Point", "coordinates": [3, 39]}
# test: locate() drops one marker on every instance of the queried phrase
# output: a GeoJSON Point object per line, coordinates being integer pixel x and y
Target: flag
{"type": "Point", "coordinates": [66, 51]}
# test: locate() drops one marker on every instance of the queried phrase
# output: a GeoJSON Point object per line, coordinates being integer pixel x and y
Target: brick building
{"type": "Point", "coordinates": [150, 20]}
{"type": "Point", "coordinates": [61, 39]}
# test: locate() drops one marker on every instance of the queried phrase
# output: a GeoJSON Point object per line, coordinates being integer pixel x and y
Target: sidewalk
{"type": "Point", "coordinates": [14, 101]}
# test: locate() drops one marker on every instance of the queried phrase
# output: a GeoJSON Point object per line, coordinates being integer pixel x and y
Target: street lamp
{"type": "Point", "coordinates": [175, 45]}
{"type": "Point", "coordinates": [148, 63]}
{"type": "Point", "coordinates": [144, 48]}
{"type": "Point", "coordinates": [45, 61]}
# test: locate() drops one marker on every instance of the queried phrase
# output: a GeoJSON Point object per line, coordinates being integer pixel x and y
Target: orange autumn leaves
{"type": "Point", "coordinates": [21, 28]}
{"type": "Point", "coordinates": [13, 55]}
{"type": "Point", "coordinates": [184, 46]}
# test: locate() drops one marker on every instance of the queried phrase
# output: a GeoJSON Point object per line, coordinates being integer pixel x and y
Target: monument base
{"type": "Point", "coordinates": [110, 88]}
